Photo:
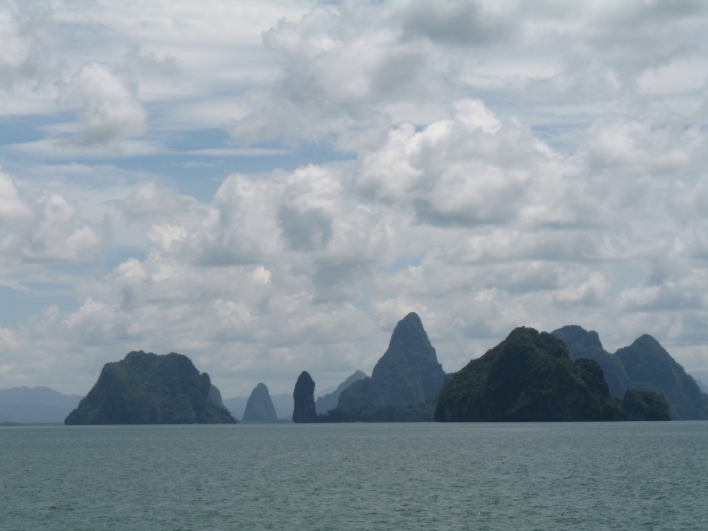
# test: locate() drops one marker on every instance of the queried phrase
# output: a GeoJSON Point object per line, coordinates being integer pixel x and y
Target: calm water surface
{"type": "Point", "coordinates": [614, 476]}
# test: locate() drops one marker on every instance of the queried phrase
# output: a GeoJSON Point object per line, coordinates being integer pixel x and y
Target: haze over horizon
{"type": "Point", "coordinates": [269, 187]}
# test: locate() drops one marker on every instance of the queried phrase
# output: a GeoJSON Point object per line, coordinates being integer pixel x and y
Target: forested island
{"type": "Point", "coordinates": [145, 388]}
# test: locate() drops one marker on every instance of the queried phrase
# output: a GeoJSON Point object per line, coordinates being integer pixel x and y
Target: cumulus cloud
{"type": "Point", "coordinates": [25, 38]}
{"type": "Point", "coordinates": [509, 164]}
{"type": "Point", "coordinates": [12, 206]}
{"type": "Point", "coordinates": [109, 109]}
{"type": "Point", "coordinates": [48, 229]}
{"type": "Point", "coordinates": [474, 169]}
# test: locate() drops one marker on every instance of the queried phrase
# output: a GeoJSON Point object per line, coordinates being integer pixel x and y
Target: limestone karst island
{"type": "Point", "coordinates": [531, 376]}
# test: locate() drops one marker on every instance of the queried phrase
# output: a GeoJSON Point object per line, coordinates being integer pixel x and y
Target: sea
{"type": "Point", "coordinates": [428, 476]}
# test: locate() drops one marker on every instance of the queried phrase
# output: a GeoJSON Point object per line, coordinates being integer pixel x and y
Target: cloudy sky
{"type": "Point", "coordinates": [270, 186]}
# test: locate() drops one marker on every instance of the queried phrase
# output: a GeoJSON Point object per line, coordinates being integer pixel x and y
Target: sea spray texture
{"type": "Point", "coordinates": [583, 476]}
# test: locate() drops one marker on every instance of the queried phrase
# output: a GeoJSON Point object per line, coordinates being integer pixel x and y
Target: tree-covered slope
{"type": "Point", "coordinates": [584, 344]}
{"type": "Point", "coordinates": [408, 372]}
{"type": "Point", "coordinates": [652, 368]}
{"type": "Point", "coordinates": [527, 377]}
{"type": "Point", "coordinates": [150, 389]}
{"type": "Point", "coordinates": [645, 405]}
{"type": "Point", "coordinates": [329, 401]}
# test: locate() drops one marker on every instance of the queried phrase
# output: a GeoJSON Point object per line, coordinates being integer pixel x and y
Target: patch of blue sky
{"type": "Point", "coordinates": [18, 305]}
{"type": "Point", "coordinates": [401, 262]}
{"type": "Point", "coordinates": [199, 166]}
{"type": "Point", "coordinates": [18, 129]}
{"type": "Point", "coordinates": [107, 260]}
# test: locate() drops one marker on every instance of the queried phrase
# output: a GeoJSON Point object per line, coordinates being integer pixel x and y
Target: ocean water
{"type": "Point", "coordinates": [584, 476]}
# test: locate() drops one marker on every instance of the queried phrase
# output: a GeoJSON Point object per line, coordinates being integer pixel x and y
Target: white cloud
{"type": "Point", "coordinates": [510, 164]}
{"type": "Point", "coordinates": [109, 109]}
{"type": "Point", "coordinates": [11, 204]}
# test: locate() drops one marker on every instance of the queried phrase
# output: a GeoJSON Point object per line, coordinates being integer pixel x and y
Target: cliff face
{"type": "Point", "coordinates": [150, 389]}
{"type": "Point", "coordinates": [584, 344]}
{"type": "Point", "coordinates": [527, 377]}
{"type": "Point", "coordinates": [304, 399]}
{"type": "Point", "coordinates": [652, 368]}
{"type": "Point", "coordinates": [328, 402]}
{"type": "Point", "coordinates": [259, 407]}
{"type": "Point", "coordinates": [408, 372]}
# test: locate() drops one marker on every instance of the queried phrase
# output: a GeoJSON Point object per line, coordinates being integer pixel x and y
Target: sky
{"type": "Point", "coordinates": [268, 187]}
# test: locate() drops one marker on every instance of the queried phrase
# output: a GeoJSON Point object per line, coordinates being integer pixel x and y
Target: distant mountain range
{"type": "Point", "coordinates": [35, 405]}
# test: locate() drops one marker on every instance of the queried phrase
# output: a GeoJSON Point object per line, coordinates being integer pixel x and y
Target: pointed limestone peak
{"type": "Point", "coordinates": [259, 407]}
{"type": "Point", "coordinates": [407, 373]}
{"type": "Point", "coordinates": [409, 329]}
{"type": "Point", "coordinates": [304, 399]}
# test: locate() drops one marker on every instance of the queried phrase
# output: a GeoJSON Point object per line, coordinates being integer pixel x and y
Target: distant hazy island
{"type": "Point", "coordinates": [150, 389]}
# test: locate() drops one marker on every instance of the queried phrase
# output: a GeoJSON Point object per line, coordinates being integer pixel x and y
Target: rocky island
{"type": "Point", "coordinates": [644, 365]}
{"type": "Point", "coordinates": [329, 401]}
{"type": "Point", "coordinates": [527, 377]}
{"type": "Point", "coordinates": [304, 399]}
{"type": "Point", "coordinates": [145, 388]}
{"type": "Point", "coordinates": [259, 407]}
{"type": "Point", "coordinates": [408, 372]}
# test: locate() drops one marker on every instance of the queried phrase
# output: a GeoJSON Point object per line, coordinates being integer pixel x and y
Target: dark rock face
{"type": "Point", "coordinates": [408, 372]}
{"type": "Point", "coordinates": [304, 399]}
{"type": "Point", "coordinates": [150, 389]}
{"type": "Point", "coordinates": [215, 396]}
{"type": "Point", "coordinates": [328, 402]}
{"type": "Point", "coordinates": [584, 344]}
{"type": "Point", "coordinates": [527, 377]}
{"type": "Point", "coordinates": [652, 368]}
{"type": "Point", "coordinates": [259, 407]}
{"type": "Point", "coordinates": [645, 405]}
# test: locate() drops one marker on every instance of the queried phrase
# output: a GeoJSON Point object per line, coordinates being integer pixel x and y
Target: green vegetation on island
{"type": "Point", "coordinates": [584, 344]}
{"type": "Point", "coordinates": [643, 365]}
{"type": "Point", "coordinates": [651, 368]}
{"type": "Point", "coordinates": [150, 389]}
{"type": "Point", "coordinates": [527, 377]}
{"type": "Point", "coordinates": [645, 405]}
{"type": "Point", "coordinates": [329, 401]}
